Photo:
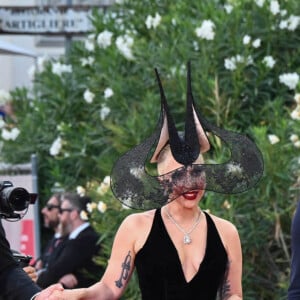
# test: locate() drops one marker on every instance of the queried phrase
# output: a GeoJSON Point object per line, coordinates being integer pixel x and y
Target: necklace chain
{"type": "Point", "coordinates": [186, 238]}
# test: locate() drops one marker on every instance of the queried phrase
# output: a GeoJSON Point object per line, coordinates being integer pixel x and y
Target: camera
{"type": "Point", "coordinates": [14, 201]}
{"type": "Point", "coordinates": [22, 260]}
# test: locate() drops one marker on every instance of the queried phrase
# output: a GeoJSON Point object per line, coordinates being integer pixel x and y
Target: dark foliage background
{"type": "Point", "coordinates": [102, 98]}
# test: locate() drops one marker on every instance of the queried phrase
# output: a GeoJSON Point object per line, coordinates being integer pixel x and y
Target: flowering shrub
{"type": "Point", "coordinates": [89, 107]}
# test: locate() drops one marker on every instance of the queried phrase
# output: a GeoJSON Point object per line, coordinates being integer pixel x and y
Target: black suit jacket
{"type": "Point", "coordinates": [74, 256]}
{"type": "Point", "coordinates": [52, 247]}
{"type": "Point", "coordinates": [15, 284]}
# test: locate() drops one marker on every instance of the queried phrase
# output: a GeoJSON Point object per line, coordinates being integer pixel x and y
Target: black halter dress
{"type": "Point", "coordinates": [160, 272]}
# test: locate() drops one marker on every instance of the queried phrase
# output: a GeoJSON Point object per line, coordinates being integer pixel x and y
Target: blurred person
{"type": "Point", "coordinates": [23, 262]}
{"type": "Point", "coordinates": [72, 263]}
{"type": "Point", "coordinates": [50, 214]}
{"type": "Point", "coordinates": [15, 284]}
{"type": "Point", "coordinates": [180, 252]}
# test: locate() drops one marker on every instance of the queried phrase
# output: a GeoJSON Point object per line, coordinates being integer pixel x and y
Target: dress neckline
{"type": "Point", "coordinates": [173, 247]}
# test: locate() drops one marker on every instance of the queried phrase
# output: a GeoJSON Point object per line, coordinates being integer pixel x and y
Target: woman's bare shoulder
{"type": "Point", "coordinates": [139, 219]}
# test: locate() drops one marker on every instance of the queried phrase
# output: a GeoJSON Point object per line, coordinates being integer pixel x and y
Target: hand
{"type": "Point", "coordinates": [38, 265]}
{"type": "Point", "coordinates": [30, 271]}
{"type": "Point", "coordinates": [52, 292]}
{"type": "Point", "coordinates": [68, 281]}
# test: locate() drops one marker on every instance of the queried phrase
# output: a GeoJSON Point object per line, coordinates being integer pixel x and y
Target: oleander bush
{"type": "Point", "coordinates": [88, 107]}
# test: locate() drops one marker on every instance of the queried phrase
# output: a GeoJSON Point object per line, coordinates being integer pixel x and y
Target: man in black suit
{"type": "Point", "coordinates": [72, 263]}
{"type": "Point", "coordinates": [50, 214]}
{"type": "Point", "coordinates": [15, 284]}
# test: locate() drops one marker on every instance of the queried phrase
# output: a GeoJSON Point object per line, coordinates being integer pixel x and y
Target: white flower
{"type": "Point", "coordinates": [87, 61]}
{"type": "Point", "coordinates": [104, 186]}
{"type": "Point", "coordinates": [124, 44]}
{"type": "Point", "coordinates": [283, 12]}
{"type": "Point", "coordinates": [260, 3]}
{"type": "Point", "coordinates": [297, 144]}
{"type": "Point", "coordinates": [56, 147]}
{"type": "Point", "coordinates": [196, 46]}
{"type": "Point", "coordinates": [283, 24]}
{"type": "Point", "coordinates": [269, 61]}
{"type": "Point", "coordinates": [84, 216]}
{"type": "Point", "coordinates": [2, 123]}
{"type": "Point", "coordinates": [104, 112]}
{"type": "Point", "coordinates": [108, 92]}
{"type": "Point", "coordinates": [228, 8]}
{"type": "Point", "coordinates": [80, 190]}
{"type": "Point", "coordinates": [88, 96]}
{"type": "Point", "coordinates": [234, 169]}
{"type": "Point", "coordinates": [58, 68]}
{"type": "Point", "coordinates": [226, 204]}
{"type": "Point", "coordinates": [89, 45]}
{"type": "Point", "coordinates": [137, 172]}
{"type": "Point", "coordinates": [102, 207]}
{"type": "Point", "coordinates": [153, 22]}
{"type": "Point", "coordinates": [274, 7]}
{"type": "Point", "coordinates": [91, 206]}
{"type": "Point", "coordinates": [294, 138]}
{"type": "Point", "coordinates": [104, 39]}
{"type": "Point", "coordinates": [119, 1]}
{"type": "Point", "coordinates": [289, 79]}
{"type": "Point", "coordinates": [14, 133]}
{"type": "Point", "coordinates": [295, 114]}
{"type": "Point", "coordinates": [256, 43]}
{"type": "Point", "coordinates": [5, 134]}
{"type": "Point", "coordinates": [206, 31]}
{"type": "Point", "coordinates": [230, 64]}
{"type": "Point", "coordinates": [246, 39]}
{"type": "Point", "coordinates": [106, 180]}
{"type": "Point", "coordinates": [291, 23]}
{"type": "Point", "coordinates": [273, 139]}
{"type": "Point", "coordinates": [297, 98]}
{"type": "Point", "coordinates": [4, 97]}
{"type": "Point", "coordinates": [10, 135]}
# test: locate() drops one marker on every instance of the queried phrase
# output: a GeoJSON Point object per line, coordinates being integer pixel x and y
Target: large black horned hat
{"type": "Point", "coordinates": [136, 188]}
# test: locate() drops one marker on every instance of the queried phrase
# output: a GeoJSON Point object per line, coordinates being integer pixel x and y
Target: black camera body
{"type": "Point", "coordinates": [14, 201]}
{"type": "Point", "coordinates": [22, 260]}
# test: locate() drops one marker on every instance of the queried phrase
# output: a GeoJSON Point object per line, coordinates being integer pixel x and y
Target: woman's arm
{"type": "Point", "coordinates": [232, 286]}
{"type": "Point", "coordinates": [118, 271]}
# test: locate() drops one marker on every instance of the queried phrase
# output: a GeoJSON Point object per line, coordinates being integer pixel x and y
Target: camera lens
{"type": "Point", "coordinates": [15, 199]}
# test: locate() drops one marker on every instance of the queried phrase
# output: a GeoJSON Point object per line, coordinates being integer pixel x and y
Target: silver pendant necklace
{"type": "Point", "coordinates": [186, 237]}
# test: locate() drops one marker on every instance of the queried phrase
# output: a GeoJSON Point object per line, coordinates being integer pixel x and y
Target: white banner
{"type": "Point", "coordinates": [37, 20]}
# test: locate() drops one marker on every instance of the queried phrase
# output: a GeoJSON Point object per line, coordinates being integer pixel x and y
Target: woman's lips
{"type": "Point", "coordinates": [190, 195]}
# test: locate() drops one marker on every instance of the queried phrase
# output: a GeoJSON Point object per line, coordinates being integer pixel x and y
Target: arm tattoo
{"type": "Point", "coordinates": [225, 287]}
{"type": "Point", "coordinates": [125, 270]}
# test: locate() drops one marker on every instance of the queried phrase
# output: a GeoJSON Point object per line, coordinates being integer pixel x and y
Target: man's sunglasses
{"type": "Point", "coordinates": [62, 210]}
{"type": "Point", "coordinates": [51, 206]}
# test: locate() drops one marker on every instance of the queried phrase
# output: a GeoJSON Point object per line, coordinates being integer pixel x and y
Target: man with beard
{"type": "Point", "coordinates": [73, 262]}
{"type": "Point", "coordinates": [51, 220]}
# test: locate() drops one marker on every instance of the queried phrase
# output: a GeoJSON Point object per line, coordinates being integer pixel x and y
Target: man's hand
{"type": "Point", "coordinates": [54, 289]}
{"type": "Point", "coordinates": [68, 281]}
{"type": "Point", "coordinates": [30, 271]}
{"type": "Point", "coordinates": [38, 265]}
